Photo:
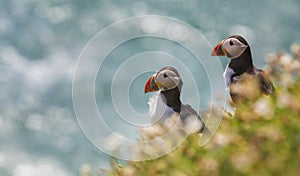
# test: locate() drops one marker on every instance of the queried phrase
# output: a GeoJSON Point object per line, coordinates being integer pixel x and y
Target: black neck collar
{"type": "Point", "coordinates": [242, 63]}
{"type": "Point", "coordinates": [172, 98]}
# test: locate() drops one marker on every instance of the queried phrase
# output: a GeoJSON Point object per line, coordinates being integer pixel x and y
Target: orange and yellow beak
{"type": "Point", "coordinates": [218, 51]}
{"type": "Point", "coordinates": [151, 86]}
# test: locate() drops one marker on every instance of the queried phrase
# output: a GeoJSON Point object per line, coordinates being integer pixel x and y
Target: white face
{"type": "Point", "coordinates": [168, 79]}
{"type": "Point", "coordinates": [233, 48]}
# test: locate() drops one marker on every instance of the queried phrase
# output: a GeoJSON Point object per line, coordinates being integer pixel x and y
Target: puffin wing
{"type": "Point", "coordinates": [190, 119]}
{"type": "Point", "coordinates": [249, 85]}
{"type": "Point", "coordinates": [266, 85]}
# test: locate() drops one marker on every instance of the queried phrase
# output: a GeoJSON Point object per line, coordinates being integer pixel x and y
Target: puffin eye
{"type": "Point", "coordinates": [165, 75]}
{"type": "Point", "coordinates": [230, 43]}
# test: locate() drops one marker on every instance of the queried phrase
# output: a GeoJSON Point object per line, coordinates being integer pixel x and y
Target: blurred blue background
{"type": "Point", "coordinates": [40, 41]}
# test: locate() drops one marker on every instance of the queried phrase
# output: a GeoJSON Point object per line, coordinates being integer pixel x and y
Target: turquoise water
{"type": "Point", "coordinates": [40, 44]}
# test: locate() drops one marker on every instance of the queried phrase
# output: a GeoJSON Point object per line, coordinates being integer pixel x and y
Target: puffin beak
{"type": "Point", "coordinates": [218, 50]}
{"type": "Point", "coordinates": [151, 86]}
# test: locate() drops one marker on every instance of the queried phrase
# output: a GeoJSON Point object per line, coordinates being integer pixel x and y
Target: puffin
{"type": "Point", "coordinates": [165, 105]}
{"type": "Point", "coordinates": [240, 69]}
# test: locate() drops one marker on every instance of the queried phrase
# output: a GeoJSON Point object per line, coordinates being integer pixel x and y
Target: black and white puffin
{"type": "Point", "coordinates": [167, 104]}
{"type": "Point", "coordinates": [241, 64]}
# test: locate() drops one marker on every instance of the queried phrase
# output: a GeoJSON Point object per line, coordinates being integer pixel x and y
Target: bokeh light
{"type": "Point", "coordinates": [41, 41]}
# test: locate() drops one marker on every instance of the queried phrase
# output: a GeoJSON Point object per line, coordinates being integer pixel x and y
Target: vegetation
{"type": "Point", "coordinates": [261, 138]}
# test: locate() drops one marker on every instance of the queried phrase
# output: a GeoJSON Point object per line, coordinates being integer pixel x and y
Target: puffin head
{"type": "Point", "coordinates": [165, 79]}
{"type": "Point", "coordinates": [231, 47]}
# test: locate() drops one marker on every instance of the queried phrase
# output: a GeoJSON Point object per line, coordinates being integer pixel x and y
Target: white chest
{"type": "Point", "coordinates": [158, 109]}
{"type": "Point", "coordinates": [227, 75]}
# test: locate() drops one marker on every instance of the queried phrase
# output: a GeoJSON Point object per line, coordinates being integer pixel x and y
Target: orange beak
{"type": "Point", "coordinates": [218, 50]}
{"type": "Point", "coordinates": [151, 85]}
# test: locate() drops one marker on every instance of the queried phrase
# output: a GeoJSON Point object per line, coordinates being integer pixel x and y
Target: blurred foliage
{"type": "Point", "coordinates": [261, 138]}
